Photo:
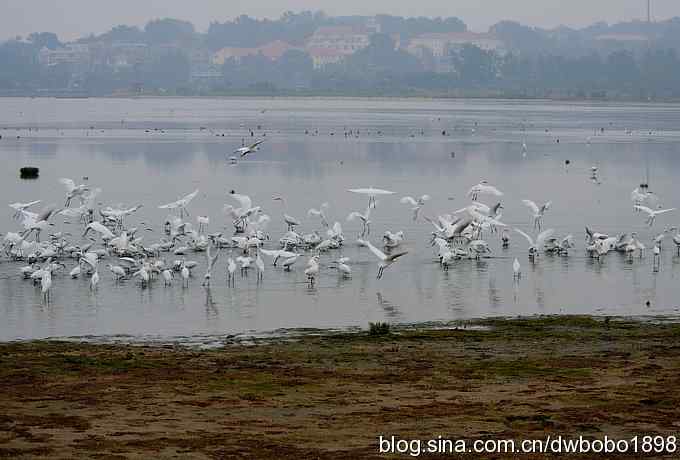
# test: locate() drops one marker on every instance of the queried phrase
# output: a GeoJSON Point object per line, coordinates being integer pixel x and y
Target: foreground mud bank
{"type": "Point", "coordinates": [332, 396]}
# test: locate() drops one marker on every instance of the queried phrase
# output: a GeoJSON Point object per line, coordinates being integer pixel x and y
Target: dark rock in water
{"type": "Point", "coordinates": [29, 172]}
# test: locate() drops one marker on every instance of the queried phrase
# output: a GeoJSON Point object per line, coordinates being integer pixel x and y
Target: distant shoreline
{"type": "Point", "coordinates": [350, 96]}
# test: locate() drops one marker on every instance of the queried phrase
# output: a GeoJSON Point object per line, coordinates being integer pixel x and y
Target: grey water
{"type": "Point", "coordinates": [153, 151]}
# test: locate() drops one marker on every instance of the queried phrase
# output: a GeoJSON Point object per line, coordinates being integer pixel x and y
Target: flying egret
{"type": "Point", "coordinates": [73, 190]}
{"type": "Point", "coordinates": [20, 207]}
{"type": "Point", "coordinates": [246, 149]}
{"type": "Point", "coordinates": [483, 188]}
{"type": "Point", "coordinates": [321, 213]}
{"type": "Point", "coordinates": [181, 204]}
{"type": "Point", "coordinates": [36, 223]}
{"type": "Point", "coordinates": [385, 260]}
{"type": "Point", "coordinates": [106, 234]}
{"type": "Point", "coordinates": [371, 192]}
{"type": "Point", "coordinates": [276, 254]}
{"type": "Point", "coordinates": [651, 214]}
{"type": "Point", "coordinates": [416, 204]}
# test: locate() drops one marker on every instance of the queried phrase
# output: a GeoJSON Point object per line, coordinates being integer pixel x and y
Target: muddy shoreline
{"type": "Point", "coordinates": [331, 396]}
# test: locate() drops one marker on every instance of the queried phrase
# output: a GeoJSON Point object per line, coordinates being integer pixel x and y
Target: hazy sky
{"type": "Point", "coordinates": [74, 18]}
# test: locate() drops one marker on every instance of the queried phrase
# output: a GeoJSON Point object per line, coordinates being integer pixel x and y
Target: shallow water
{"type": "Point", "coordinates": [152, 151]}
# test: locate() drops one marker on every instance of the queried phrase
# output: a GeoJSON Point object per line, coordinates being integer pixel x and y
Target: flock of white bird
{"type": "Point", "coordinates": [106, 238]}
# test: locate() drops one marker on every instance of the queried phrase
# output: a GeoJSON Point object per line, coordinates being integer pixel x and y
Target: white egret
{"type": "Point", "coordinates": [364, 218]}
{"type": "Point", "coordinates": [536, 246]}
{"type": "Point", "coordinates": [291, 221]}
{"type": "Point", "coordinates": [651, 214]}
{"type": "Point", "coordinates": [416, 204]}
{"type": "Point", "coordinates": [676, 237]}
{"type": "Point", "coordinates": [117, 271]}
{"type": "Point", "coordinates": [231, 269]}
{"type": "Point", "coordinates": [312, 270]}
{"type": "Point", "coordinates": [289, 262]}
{"type": "Point", "coordinates": [75, 273]}
{"type": "Point", "coordinates": [46, 284]}
{"type": "Point", "coordinates": [259, 264]}
{"type": "Point", "coordinates": [385, 260]}
{"type": "Point", "coordinates": [181, 204]}
{"type": "Point", "coordinates": [94, 281]}
{"type": "Point", "coordinates": [245, 150]}
{"type": "Point", "coordinates": [211, 261]}
{"type": "Point", "coordinates": [320, 213]}
{"type": "Point", "coordinates": [73, 190]}
{"type": "Point", "coordinates": [167, 277]}
{"type": "Point", "coordinates": [371, 192]}
{"type": "Point", "coordinates": [537, 212]}
{"type": "Point", "coordinates": [516, 269]}
{"type": "Point", "coordinates": [184, 271]}
{"type": "Point", "coordinates": [483, 188]}
{"type": "Point", "coordinates": [20, 207]}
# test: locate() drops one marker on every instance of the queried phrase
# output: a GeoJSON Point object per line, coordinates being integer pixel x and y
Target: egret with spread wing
{"type": "Point", "coordinates": [181, 204]}
{"type": "Point", "coordinates": [416, 205]}
{"type": "Point", "coordinates": [385, 260]}
{"type": "Point", "coordinates": [651, 214]}
{"type": "Point", "coordinates": [245, 150]}
{"type": "Point", "coordinates": [537, 212]}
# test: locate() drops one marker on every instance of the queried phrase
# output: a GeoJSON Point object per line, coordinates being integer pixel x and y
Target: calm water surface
{"type": "Point", "coordinates": [152, 151]}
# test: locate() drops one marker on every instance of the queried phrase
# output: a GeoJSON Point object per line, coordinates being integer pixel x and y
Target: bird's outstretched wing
{"type": "Point", "coordinates": [353, 215]}
{"type": "Point", "coordinates": [434, 224]}
{"type": "Point", "coordinates": [256, 143]}
{"type": "Point", "coordinates": [531, 205]}
{"type": "Point", "coordinates": [409, 200]}
{"type": "Point", "coordinates": [187, 199]}
{"type": "Point", "coordinates": [528, 238]}
{"type": "Point", "coordinates": [68, 183]}
{"type": "Point", "coordinates": [396, 256]}
{"type": "Point", "coordinates": [645, 209]}
{"type": "Point", "coordinates": [664, 211]}
{"type": "Point", "coordinates": [544, 235]}
{"type": "Point", "coordinates": [378, 253]}
{"type": "Point", "coordinates": [244, 200]}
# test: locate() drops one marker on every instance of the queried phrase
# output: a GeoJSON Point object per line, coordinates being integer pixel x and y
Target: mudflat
{"type": "Point", "coordinates": [331, 396]}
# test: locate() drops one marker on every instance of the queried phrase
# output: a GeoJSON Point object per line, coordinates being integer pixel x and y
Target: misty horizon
{"type": "Point", "coordinates": [72, 19]}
